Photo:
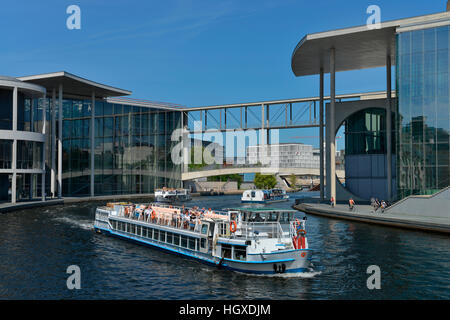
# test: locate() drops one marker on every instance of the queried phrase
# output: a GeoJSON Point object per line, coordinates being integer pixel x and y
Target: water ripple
{"type": "Point", "coordinates": [37, 246]}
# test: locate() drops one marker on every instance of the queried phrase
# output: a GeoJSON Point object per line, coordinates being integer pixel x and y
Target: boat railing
{"type": "Point", "coordinates": [296, 225]}
{"type": "Point", "coordinates": [168, 206]}
{"type": "Point", "coordinates": [260, 229]}
{"type": "Point", "coordinates": [173, 221]}
{"type": "Point", "coordinates": [167, 219]}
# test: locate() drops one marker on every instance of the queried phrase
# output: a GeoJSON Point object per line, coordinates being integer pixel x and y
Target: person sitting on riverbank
{"type": "Point", "coordinates": [351, 204]}
{"type": "Point", "coordinates": [383, 206]}
{"type": "Point", "coordinates": [376, 205]}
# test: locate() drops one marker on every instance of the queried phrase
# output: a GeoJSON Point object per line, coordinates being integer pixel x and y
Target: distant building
{"type": "Point", "coordinates": [287, 155]}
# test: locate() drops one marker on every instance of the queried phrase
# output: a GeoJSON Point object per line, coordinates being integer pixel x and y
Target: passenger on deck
{"type": "Point", "coordinates": [258, 218]}
{"type": "Point", "coordinates": [174, 219]}
{"type": "Point", "coordinates": [147, 213]}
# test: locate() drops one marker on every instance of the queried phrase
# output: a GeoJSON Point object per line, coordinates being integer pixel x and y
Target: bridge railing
{"type": "Point", "coordinates": [196, 168]}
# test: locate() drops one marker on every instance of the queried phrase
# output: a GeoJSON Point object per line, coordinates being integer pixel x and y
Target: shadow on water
{"type": "Point", "coordinates": [37, 246]}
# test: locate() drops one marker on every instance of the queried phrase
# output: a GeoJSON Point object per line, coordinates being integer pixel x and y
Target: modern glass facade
{"type": "Point", "coordinates": [365, 132]}
{"type": "Point", "coordinates": [366, 153]}
{"type": "Point", "coordinates": [423, 111]}
{"type": "Point", "coordinates": [21, 140]}
{"type": "Point", "coordinates": [132, 148]}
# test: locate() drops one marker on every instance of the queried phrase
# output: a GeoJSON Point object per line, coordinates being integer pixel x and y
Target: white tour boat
{"type": "Point", "coordinates": [248, 240]}
{"type": "Point", "coordinates": [264, 196]}
{"type": "Point", "coordinates": [172, 195]}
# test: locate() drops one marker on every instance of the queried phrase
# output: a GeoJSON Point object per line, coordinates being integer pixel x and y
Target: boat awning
{"type": "Point", "coordinates": [356, 47]}
{"type": "Point", "coordinates": [74, 85]}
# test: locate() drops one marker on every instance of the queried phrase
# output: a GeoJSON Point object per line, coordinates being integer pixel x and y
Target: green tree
{"type": "Point", "coordinates": [293, 180]}
{"type": "Point", "coordinates": [263, 181]}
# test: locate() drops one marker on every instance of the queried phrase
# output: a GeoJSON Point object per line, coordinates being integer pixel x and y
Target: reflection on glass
{"type": "Point", "coordinates": [423, 111]}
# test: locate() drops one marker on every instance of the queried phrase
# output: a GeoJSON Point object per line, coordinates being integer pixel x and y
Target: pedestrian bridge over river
{"type": "Point", "coordinates": [263, 170]}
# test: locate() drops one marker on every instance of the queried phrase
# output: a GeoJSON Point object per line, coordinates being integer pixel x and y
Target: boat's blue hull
{"type": "Point", "coordinates": [233, 265]}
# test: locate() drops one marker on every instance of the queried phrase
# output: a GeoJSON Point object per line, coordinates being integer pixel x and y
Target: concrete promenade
{"type": "Point", "coordinates": [8, 207]}
{"type": "Point", "coordinates": [365, 213]}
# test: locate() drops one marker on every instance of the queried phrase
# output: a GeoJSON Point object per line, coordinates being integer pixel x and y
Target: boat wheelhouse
{"type": "Point", "coordinates": [264, 196]}
{"type": "Point", "coordinates": [258, 241]}
{"type": "Point", "coordinates": [172, 195]}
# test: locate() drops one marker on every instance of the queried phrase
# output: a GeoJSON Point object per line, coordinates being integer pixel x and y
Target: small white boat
{"type": "Point", "coordinates": [264, 196]}
{"type": "Point", "coordinates": [172, 195]}
{"type": "Point", "coordinates": [248, 240]}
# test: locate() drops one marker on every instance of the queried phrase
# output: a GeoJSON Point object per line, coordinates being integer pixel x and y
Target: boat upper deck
{"type": "Point", "coordinates": [250, 222]}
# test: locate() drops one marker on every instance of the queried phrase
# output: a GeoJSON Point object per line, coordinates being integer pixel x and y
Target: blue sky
{"type": "Point", "coordinates": [193, 53]}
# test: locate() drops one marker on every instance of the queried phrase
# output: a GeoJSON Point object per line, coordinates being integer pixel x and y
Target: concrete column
{"type": "Point", "coordinates": [53, 151]}
{"type": "Point", "coordinates": [14, 150]}
{"type": "Point", "coordinates": [388, 127]}
{"type": "Point", "coordinates": [32, 114]}
{"type": "Point", "coordinates": [92, 138]}
{"type": "Point", "coordinates": [263, 137]}
{"type": "Point", "coordinates": [321, 136]}
{"type": "Point", "coordinates": [268, 124]}
{"type": "Point", "coordinates": [332, 124]}
{"type": "Point", "coordinates": [186, 147]}
{"type": "Point", "coordinates": [60, 128]}
{"type": "Point", "coordinates": [44, 132]}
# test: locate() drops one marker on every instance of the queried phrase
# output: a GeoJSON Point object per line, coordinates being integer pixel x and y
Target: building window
{"type": "Point", "coordinates": [365, 132]}
{"type": "Point", "coordinates": [5, 154]}
{"type": "Point", "coordinates": [29, 155]}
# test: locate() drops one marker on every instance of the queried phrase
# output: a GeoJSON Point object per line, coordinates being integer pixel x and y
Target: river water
{"type": "Point", "coordinates": [37, 246]}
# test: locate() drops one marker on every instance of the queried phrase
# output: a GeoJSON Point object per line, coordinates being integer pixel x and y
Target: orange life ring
{"type": "Point", "coordinates": [303, 232]}
{"type": "Point", "coordinates": [233, 223]}
{"type": "Point", "coordinates": [303, 254]}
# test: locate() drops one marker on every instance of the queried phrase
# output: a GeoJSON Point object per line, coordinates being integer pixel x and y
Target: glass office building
{"type": "Point", "coordinates": [65, 136]}
{"type": "Point", "coordinates": [131, 148]}
{"type": "Point", "coordinates": [423, 124]}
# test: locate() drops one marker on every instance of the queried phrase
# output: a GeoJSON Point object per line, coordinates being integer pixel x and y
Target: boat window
{"type": "Point", "coordinates": [203, 243]}
{"type": "Point", "coordinates": [191, 243]}
{"type": "Point", "coordinates": [223, 228]}
{"type": "Point", "coordinates": [285, 217]}
{"type": "Point", "coordinates": [176, 239]}
{"type": "Point", "coordinates": [150, 233]}
{"type": "Point", "coordinates": [138, 230]}
{"type": "Point", "coordinates": [184, 241]}
{"type": "Point", "coordinates": [145, 232]}
{"type": "Point", "coordinates": [204, 228]}
{"type": "Point", "coordinates": [226, 251]}
{"type": "Point", "coordinates": [253, 194]}
{"type": "Point", "coordinates": [155, 234]}
{"type": "Point", "coordinates": [240, 253]}
{"type": "Point", "coordinates": [169, 237]}
{"type": "Point", "coordinates": [162, 236]}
